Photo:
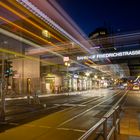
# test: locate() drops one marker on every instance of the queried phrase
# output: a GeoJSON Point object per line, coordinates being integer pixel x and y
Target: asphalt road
{"type": "Point", "coordinates": [64, 118]}
{"type": "Point", "coordinates": [19, 111]}
{"type": "Point", "coordinates": [133, 99]}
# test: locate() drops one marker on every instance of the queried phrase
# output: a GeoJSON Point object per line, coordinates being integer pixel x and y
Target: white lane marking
{"type": "Point", "coordinates": [48, 127]}
{"type": "Point", "coordinates": [70, 129]}
{"type": "Point", "coordinates": [29, 125]}
{"type": "Point", "coordinates": [7, 123]}
{"type": "Point", "coordinates": [120, 99]}
{"type": "Point", "coordinates": [73, 105]}
{"type": "Point", "coordinates": [67, 109]}
{"type": "Point", "coordinates": [94, 99]}
{"type": "Point", "coordinates": [52, 107]}
{"type": "Point", "coordinates": [98, 98]}
{"type": "Point", "coordinates": [78, 105]}
{"type": "Point", "coordinates": [15, 124]}
{"type": "Point", "coordinates": [32, 125]}
{"type": "Point", "coordinates": [86, 110]}
{"type": "Point", "coordinates": [69, 104]}
{"type": "Point", "coordinates": [16, 98]}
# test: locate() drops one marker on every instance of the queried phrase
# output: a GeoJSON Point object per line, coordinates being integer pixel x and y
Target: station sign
{"type": "Point", "coordinates": [110, 55]}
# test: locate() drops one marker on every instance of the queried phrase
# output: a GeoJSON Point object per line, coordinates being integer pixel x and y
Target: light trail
{"type": "Point", "coordinates": [27, 4]}
{"type": "Point", "coordinates": [26, 19]}
{"type": "Point", "coordinates": [22, 55]}
{"type": "Point", "coordinates": [23, 29]}
{"type": "Point", "coordinates": [7, 33]}
{"type": "Point", "coordinates": [57, 47]}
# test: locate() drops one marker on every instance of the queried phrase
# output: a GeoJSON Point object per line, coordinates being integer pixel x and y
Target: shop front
{"type": "Point", "coordinates": [53, 84]}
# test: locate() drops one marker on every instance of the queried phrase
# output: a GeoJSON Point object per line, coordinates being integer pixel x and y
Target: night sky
{"type": "Point", "coordinates": [120, 15]}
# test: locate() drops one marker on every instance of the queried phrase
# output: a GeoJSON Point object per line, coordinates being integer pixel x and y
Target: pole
{"type": "Point", "coordinates": [29, 90]}
{"type": "Point", "coordinates": [67, 81]}
{"type": "Point", "coordinates": [2, 109]}
{"type": "Point", "coordinates": [67, 64]}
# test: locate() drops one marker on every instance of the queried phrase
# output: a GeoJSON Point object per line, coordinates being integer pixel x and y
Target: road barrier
{"type": "Point", "coordinates": [108, 126]}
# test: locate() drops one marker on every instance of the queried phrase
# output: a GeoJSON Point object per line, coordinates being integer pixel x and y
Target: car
{"type": "Point", "coordinates": [136, 87]}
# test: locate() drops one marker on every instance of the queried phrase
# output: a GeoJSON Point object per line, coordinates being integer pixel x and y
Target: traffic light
{"type": "Point", "coordinates": [8, 68]}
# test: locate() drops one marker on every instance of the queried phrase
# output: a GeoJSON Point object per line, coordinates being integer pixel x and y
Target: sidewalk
{"type": "Point", "coordinates": [130, 121]}
{"type": "Point", "coordinates": [126, 137]}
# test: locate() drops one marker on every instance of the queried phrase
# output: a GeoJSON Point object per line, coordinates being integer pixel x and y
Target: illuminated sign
{"type": "Point", "coordinates": [110, 55]}
{"type": "Point", "coordinates": [66, 59]}
{"type": "Point", "coordinates": [75, 76]}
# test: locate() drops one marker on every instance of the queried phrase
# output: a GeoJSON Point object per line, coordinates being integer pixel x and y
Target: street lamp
{"type": "Point", "coordinates": [103, 78]}
{"type": "Point", "coordinates": [95, 76]}
{"type": "Point", "coordinates": [87, 74]}
{"type": "Point", "coordinates": [67, 64]}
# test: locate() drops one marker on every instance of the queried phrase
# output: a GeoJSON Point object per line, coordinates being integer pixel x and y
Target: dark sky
{"type": "Point", "coordinates": [121, 15]}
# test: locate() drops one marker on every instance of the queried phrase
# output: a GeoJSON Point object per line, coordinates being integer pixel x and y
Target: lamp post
{"type": "Point", "coordinates": [67, 64]}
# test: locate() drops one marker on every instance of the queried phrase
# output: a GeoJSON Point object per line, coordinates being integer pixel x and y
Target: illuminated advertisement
{"type": "Point", "coordinates": [110, 55]}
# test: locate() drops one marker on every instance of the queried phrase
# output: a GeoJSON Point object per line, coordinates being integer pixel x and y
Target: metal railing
{"type": "Point", "coordinates": [103, 127]}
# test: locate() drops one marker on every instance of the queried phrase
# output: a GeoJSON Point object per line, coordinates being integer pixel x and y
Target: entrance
{"type": "Point", "coordinates": [50, 84]}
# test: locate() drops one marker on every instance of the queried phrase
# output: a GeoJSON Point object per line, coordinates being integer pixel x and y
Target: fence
{"type": "Point", "coordinates": [108, 126]}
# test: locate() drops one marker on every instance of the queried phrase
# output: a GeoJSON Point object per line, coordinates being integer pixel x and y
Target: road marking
{"type": "Point", "coordinates": [70, 129]}
{"type": "Point", "coordinates": [7, 123]}
{"type": "Point", "coordinates": [75, 105]}
{"type": "Point", "coordinates": [15, 124]}
{"type": "Point", "coordinates": [120, 99]}
{"type": "Point", "coordinates": [69, 104]}
{"type": "Point", "coordinates": [85, 102]}
{"type": "Point", "coordinates": [32, 125]}
{"type": "Point", "coordinates": [94, 99]}
{"type": "Point", "coordinates": [82, 104]}
{"type": "Point", "coordinates": [99, 98]}
{"type": "Point", "coordinates": [29, 125]}
{"type": "Point", "coordinates": [52, 107]}
{"type": "Point", "coordinates": [86, 110]}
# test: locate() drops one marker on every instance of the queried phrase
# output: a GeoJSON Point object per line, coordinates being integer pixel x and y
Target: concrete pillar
{"type": "Point", "coordinates": [26, 68]}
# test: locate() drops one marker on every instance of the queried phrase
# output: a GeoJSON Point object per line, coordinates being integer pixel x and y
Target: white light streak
{"type": "Point", "coordinates": [110, 55]}
{"type": "Point", "coordinates": [45, 18]}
